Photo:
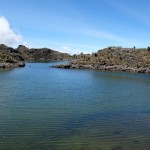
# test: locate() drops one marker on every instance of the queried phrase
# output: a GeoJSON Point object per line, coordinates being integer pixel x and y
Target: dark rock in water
{"type": "Point", "coordinates": [21, 64]}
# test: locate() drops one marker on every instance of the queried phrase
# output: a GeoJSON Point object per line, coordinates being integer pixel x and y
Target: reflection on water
{"type": "Point", "coordinates": [58, 109]}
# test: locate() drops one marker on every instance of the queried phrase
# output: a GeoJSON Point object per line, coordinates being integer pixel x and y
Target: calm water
{"type": "Point", "coordinates": [58, 109]}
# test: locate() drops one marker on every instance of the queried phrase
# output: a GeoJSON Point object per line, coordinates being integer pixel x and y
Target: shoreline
{"type": "Point", "coordinates": [4, 65]}
{"type": "Point", "coordinates": [116, 68]}
{"type": "Point", "coordinates": [112, 59]}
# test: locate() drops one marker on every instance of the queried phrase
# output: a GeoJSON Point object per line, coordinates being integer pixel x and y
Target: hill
{"type": "Point", "coordinates": [41, 54]}
{"type": "Point", "coordinates": [10, 57]}
{"type": "Point", "coordinates": [113, 59]}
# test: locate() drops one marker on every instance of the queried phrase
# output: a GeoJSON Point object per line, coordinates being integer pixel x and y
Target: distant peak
{"type": "Point", "coordinates": [2, 46]}
{"type": "Point", "coordinates": [22, 46]}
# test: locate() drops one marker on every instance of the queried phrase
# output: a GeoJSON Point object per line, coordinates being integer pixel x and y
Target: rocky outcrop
{"type": "Point", "coordinates": [113, 59]}
{"type": "Point", "coordinates": [11, 65]}
{"type": "Point", "coordinates": [41, 54]}
{"type": "Point", "coordinates": [10, 58]}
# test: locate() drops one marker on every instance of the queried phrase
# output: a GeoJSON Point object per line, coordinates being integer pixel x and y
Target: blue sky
{"type": "Point", "coordinates": [77, 25]}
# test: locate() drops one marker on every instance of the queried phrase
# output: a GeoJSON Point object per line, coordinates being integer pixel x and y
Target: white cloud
{"type": "Point", "coordinates": [66, 49]}
{"type": "Point", "coordinates": [7, 35]}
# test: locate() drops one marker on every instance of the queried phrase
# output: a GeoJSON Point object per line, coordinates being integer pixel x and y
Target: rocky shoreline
{"type": "Point", "coordinates": [11, 58]}
{"type": "Point", "coordinates": [112, 59]}
{"type": "Point", "coordinates": [104, 67]}
{"type": "Point", "coordinates": [109, 59]}
{"type": "Point", "coordinates": [11, 65]}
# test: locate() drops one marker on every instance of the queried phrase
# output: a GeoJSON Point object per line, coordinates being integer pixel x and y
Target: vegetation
{"type": "Point", "coordinates": [41, 54]}
{"type": "Point", "coordinates": [148, 48]}
{"type": "Point", "coordinates": [113, 58]}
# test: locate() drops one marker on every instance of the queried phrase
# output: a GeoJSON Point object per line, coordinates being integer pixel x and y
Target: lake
{"type": "Point", "coordinates": [59, 109]}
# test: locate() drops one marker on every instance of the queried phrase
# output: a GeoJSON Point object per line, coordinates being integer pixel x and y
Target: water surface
{"type": "Point", "coordinates": [59, 109]}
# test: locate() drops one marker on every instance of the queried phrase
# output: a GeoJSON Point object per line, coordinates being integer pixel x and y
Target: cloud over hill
{"type": "Point", "coordinates": [7, 35]}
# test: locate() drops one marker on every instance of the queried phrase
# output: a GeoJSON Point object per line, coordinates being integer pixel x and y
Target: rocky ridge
{"type": "Point", "coordinates": [41, 54]}
{"type": "Point", "coordinates": [112, 59]}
